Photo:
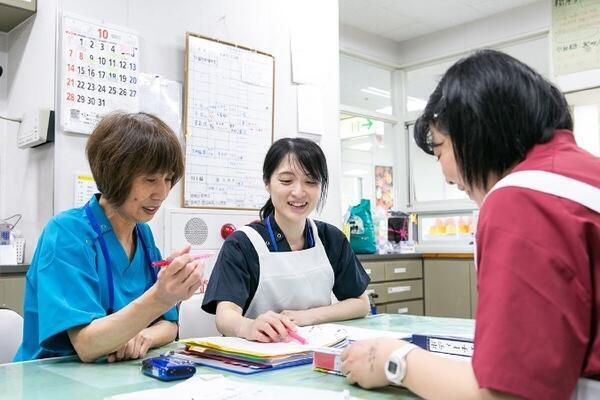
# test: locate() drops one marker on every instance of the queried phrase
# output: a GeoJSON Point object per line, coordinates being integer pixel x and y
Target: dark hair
{"type": "Point", "coordinates": [494, 108]}
{"type": "Point", "coordinates": [124, 146]}
{"type": "Point", "coordinates": [310, 159]}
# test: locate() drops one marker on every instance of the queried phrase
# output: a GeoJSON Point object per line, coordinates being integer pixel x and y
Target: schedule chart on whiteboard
{"type": "Point", "coordinates": [229, 124]}
{"type": "Point", "coordinates": [99, 73]}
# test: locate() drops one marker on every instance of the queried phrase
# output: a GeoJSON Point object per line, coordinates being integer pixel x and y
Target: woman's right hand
{"type": "Point", "coordinates": [267, 327]}
{"type": "Point", "coordinates": [179, 280]}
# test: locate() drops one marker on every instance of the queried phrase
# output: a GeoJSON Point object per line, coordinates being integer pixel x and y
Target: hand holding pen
{"type": "Point", "coordinates": [180, 279]}
{"type": "Point", "coordinates": [169, 260]}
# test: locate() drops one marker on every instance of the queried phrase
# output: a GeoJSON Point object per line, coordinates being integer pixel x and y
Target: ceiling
{"type": "Point", "coordinates": [400, 20]}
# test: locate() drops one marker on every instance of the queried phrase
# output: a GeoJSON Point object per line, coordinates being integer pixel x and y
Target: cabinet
{"type": "Point", "coordinates": [450, 288]}
{"type": "Point", "coordinates": [397, 285]}
{"type": "Point", "coordinates": [12, 289]}
{"type": "Point", "coordinates": [13, 12]}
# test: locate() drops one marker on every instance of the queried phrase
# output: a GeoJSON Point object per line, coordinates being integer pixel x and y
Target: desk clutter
{"type": "Point", "coordinates": [247, 357]}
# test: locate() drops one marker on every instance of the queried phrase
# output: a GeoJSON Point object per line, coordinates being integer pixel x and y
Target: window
{"type": "Point", "coordinates": [366, 86]}
{"type": "Point", "coordinates": [585, 108]}
{"type": "Point", "coordinates": [367, 162]}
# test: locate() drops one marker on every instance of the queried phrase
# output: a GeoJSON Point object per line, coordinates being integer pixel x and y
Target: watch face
{"type": "Point", "coordinates": [392, 367]}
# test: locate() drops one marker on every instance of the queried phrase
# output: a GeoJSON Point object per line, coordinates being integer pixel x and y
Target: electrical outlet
{"type": "Point", "coordinates": [36, 129]}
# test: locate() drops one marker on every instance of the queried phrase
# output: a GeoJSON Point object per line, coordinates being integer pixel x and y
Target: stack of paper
{"type": "Point", "coordinates": [246, 357]}
{"type": "Point", "coordinates": [216, 387]}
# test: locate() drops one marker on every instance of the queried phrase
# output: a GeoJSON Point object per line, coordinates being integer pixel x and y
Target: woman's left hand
{"type": "Point", "coordinates": [364, 362]}
{"type": "Point", "coordinates": [136, 347]}
{"type": "Point", "coordinates": [300, 317]}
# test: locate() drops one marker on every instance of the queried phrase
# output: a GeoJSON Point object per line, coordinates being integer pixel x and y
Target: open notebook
{"type": "Point", "coordinates": [316, 336]}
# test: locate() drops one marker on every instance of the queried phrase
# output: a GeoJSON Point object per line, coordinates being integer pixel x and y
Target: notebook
{"type": "Point", "coordinates": [317, 336]}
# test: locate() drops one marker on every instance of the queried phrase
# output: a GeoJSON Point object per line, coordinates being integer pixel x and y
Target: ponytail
{"type": "Point", "coordinates": [266, 210]}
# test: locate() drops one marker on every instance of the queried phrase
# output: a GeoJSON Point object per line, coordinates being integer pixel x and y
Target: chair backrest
{"type": "Point", "coordinates": [194, 321]}
{"type": "Point", "coordinates": [11, 334]}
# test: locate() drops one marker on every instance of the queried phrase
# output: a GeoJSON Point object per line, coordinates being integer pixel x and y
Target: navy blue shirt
{"type": "Point", "coordinates": [236, 272]}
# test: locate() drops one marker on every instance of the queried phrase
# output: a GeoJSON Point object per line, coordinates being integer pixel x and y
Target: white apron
{"type": "Point", "coordinates": [290, 280]}
{"type": "Point", "coordinates": [570, 189]}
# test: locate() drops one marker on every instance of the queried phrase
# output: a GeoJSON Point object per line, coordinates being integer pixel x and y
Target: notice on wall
{"type": "Point", "coordinates": [83, 188]}
{"type": "Point", "coordinates": [228, 124]}
{"type": "Point", "coordinates": [575, 36]}
{"type": "Point", "coordinates": [99, 73]}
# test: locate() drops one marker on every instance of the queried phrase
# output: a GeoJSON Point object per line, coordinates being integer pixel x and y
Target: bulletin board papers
{"type": "Point", "coordinates": [310, 109]}
{"type": "Point", "coordinates": [228, 116]}
{"type": "Point", "coordinates": [99, 73]}
{"type": "Point", "coordinates": [575, 36]}
{"type": "Point", "coordinates": [84, 188]}
{"type": "Point", "coordinates": [161, 97]}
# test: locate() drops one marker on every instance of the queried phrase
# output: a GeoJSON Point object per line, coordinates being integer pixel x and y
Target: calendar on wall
{"type": "Point", "coordinates": [100, 66]}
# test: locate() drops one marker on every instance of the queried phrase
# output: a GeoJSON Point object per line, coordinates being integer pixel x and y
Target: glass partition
{"type": "Point", "coordinates": [366, 86]}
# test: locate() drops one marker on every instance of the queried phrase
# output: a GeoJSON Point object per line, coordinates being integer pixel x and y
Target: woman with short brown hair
{"type": "Point", "coordinates": [91, 287]}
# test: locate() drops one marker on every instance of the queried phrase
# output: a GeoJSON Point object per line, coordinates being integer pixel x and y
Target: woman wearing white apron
{"type": "Point", "coordinates": [502, 133]}
{"type": "Point", "coordinates": [281, 271]}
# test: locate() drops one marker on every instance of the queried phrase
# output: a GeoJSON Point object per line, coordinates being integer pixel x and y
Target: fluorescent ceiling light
{"type": "Point", "coordinates": [377, 92]}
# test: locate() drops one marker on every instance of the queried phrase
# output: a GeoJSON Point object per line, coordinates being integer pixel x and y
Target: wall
{"type": "Point", "coordinates": [27, 186]}
{"type": "Point", "coordinates": [161, 26]}
{"type": "Point", "coordinates": [503, 26]}
{"type": "Point", "coordinates": [3, 80]}
{"type": "Point", "coordinates": [377, 48]}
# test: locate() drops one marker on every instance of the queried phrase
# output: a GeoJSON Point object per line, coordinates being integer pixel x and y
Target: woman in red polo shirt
{"type": "Point", "coordinates": [502, 133]}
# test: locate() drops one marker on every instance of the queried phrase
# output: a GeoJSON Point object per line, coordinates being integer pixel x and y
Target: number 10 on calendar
{"type": "Point", "coordinates": [100, 67]}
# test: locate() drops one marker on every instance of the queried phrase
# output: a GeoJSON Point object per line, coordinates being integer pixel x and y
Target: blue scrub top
{"type": "Point", "coordinates": [66, 282]}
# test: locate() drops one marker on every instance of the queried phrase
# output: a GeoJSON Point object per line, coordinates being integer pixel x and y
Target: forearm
{"type": "Point", "coordinates": [230, 321]}
{"type": "Point", "coordinates": [434, 377]}
{"type": "Point", "coordinates": [346, 309]}
{"type": "Point", "coordinates": [162, 332]}
{"type": "Point", "coordinates": [104, 335]}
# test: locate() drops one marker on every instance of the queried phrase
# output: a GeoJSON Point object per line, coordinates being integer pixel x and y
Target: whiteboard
{"type": "Point", "coordinates": [228, 114]}
{"type": "Point", "coordinates": [100, 66]}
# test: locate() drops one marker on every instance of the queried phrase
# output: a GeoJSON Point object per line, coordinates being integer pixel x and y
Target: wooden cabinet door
{"type": "Point", "coordinates": [12, 288]}
{"type": "Point", "coordinates": [447, 288]}
{"type": "Point", "coordinates": [473, 283]}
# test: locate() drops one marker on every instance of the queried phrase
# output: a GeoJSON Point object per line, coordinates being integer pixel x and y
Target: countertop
{"type": "Point", "coordinates": [418, 256]}
{"type": "Point", "coordinates": [13, 269]}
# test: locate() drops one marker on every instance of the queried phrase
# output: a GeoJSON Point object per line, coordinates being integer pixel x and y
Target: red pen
{"type": "Point", "coordinates": [167, 261]}
{"type": "Point", "coordinates": [297, 337]}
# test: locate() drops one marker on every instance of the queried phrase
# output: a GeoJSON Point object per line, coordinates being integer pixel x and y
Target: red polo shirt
{"type": "Point", "coordinates": [538, 281]}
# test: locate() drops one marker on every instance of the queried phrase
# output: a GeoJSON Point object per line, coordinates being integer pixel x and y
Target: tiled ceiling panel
{"type": "Point", "coordinates": [405, 19]}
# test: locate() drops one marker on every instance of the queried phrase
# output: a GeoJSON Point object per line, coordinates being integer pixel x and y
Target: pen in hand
{"type": "Point", "coordinates": [296, 337]}
{"type": "Point", "coordinates": [167, 261]}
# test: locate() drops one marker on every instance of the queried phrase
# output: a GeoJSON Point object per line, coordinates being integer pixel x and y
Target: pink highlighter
{"type": "Point", "coordinates": [168, 260]}
{"type": "Point", "coordinates": [297, 337]}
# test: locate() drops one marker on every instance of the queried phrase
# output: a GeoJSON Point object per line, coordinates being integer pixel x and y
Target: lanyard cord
{"type": "Point", "coordinates": [107, 260]}
{"type": "Point", "coordinates": [311, 239]}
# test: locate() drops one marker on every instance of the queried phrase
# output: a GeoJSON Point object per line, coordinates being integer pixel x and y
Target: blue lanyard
{"type": "Point", "coordinates": [311, 240]}
{"type": "Point", "coordinates": [106, 254]}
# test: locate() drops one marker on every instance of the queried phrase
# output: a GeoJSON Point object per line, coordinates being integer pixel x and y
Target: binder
{"type": "Point", "coordinates": [454, 345]}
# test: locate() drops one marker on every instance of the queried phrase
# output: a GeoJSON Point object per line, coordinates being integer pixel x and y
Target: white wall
{"type": "Point", "coordinates": [3, 80]}
{"type": "Point", "coordinates": [161, 26]}
{"type": "Point", "coordinates": [359, 42]}
{"type": "Point", "coordinates": [507, 25]}
{"type": "Point", "coordinates": [27, 181]}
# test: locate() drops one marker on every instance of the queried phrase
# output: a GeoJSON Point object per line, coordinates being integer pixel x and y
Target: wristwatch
{"type": "Point", "coordinates": [395, 367]}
